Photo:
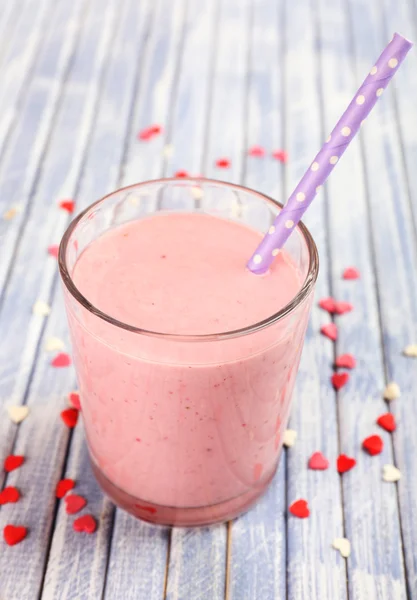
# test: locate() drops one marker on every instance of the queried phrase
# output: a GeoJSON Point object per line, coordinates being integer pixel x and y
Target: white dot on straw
{"type": "Point", "coordinates": [315, 166]}
{"type": "Point", "coordinates": [333, 160]}
{"type": "Point", "coordinates": [275, 252]}
{"type": "Point", "coordinates": [379, 91]}
{"type": "Point", "coordinates": [346, 131]}
{"type": "Point", "coordinates": [289, 224]}
{"type": "Point", "coordinates": [374, 70]}
{"type": "Point", "coordinates": [300, 197]}
{"type": "Point", "coordinates": [360, 99]}
{"type": "Point", "coordinates": [328, 139]}
{"type": "Point", "coordinates": [271, 230]}
{"type": "Point", "coordinates": [318, 188]}
{"type": "Point", "coordinates": [393, 62]}
{"type": "Point", "coordinates": [257, 259]}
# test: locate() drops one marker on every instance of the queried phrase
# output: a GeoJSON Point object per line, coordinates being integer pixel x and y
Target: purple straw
{"type": "Point", "coordinates": [337, 142]}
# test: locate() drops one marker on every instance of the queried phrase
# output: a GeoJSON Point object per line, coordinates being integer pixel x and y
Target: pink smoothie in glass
{"type": "Point", "coordinates": [176, 423]}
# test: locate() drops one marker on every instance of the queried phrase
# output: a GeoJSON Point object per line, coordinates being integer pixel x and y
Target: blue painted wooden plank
{"type": "Point", "coordinates": [20, 169]}
{"type": "Point", "coordinates": [315, 570]}
{"type": "Point", "coordinates": [394, 246]}
{"type": "Point", "coordinates": [375, 568]}
{"type": "Point", "coordinates": [9, 17]}
{"type": "Point", "coordinates": [41, 437]}
{"type": "Point", "coordinates": [257, 562]}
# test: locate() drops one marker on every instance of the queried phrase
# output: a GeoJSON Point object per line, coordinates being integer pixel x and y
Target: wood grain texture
{"type": "Point", "coordinates": [371, 509]}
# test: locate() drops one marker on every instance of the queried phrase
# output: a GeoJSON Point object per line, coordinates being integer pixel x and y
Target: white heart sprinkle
{"type": "Point", "coordinates": [390, 473]}
{"type": "Point", "coordinates": [53, 343]}
{"type": "Point", "coordinates": [17, 413]}
{"type": "Point", "coordinates": [168, 150]}
{"type": "Point", "coordinates": [410, 350]}
{"type": "Point", "coordinates": [196, 192]}
{"type": "Point", "coordinates": [392, 391]}
{"type": "Point", "coordinates": [289, 437]}
{"type": "Point", "coordinates": [41, 308]}
{"type": "Point", "coordinates": [343, 545]}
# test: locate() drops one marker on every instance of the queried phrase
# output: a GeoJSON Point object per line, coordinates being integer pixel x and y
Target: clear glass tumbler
{"type": "Point", "coordinates": [157, 461]}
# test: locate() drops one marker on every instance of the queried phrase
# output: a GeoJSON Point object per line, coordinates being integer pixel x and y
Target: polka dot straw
{"type": "Point", "coordinates": [337, 142]}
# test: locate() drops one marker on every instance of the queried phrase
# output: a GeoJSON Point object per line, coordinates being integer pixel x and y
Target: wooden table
{"type": "Point", "coordinates": [79, 79]}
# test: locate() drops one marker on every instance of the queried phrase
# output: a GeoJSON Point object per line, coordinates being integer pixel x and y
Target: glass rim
{"type": "Point", "coordinates": [302, 294]}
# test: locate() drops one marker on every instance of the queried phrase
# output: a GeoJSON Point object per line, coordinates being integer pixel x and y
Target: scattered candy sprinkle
{"type": "Point", "coordinates": [392, 391]}
{"type": "Point", "coordinates": [345, 361]}
{"type": "Point", "coordinates": [223, 163]}
{"type": "Point", "coordinates": [390, 473]}
{"type": "Point", "coordinates": [280, 155]}
{"type": "Point", "coordinates": [181, 174]}
{"type": "Point", "coordinates": [256, 151]}
{"type": "Point", "coordinates": [149, 132]}
{"type": "Point", "coordinates": [343, 545]}
{"type": "Point", "coordinates": [373, 445]}
{"type": "Point", "coordinates": [196, 192]}
{"type": "Point", "coordinates": [74, 400]}
{"type": "Point", "coordinates": [17, 414]}
{"type": "Point", "coordinates": [340, 308]}
{"type": "Point", "coordinates": [53, 251]}
{"type": "Point", "coordinates": [339, 380]}
{"type": "Point", "coordinates": [68, 205]}
{"type": "Point", "coordinates": [13, 462]}
{"type": "Point", "coordinates": [53, 344]}
{"type": "Point", "coordinates": [168, 150]}
{"type": "Point", "coordinates": [70, 417]}
{"type": "Point", "coordinates": [345, 463]}
{"type": "Point", "coordinates": [11, 212]}
{"type": "Point", "coordinates": [63, 486]}
{"type": "Point", "coordinates": [8, 495]}
{"type": "Point", "coordinates": [74, 503]}
{"type": "Point", "coordinates": [328, 304]}
{"type": "Point", "coordinates": [387, 422]}
{"type": "Point", "coordinates": [41, 308]}
{"type": "Point", "coordinates": [318, 462]}
{"type": "Point", "coordinates": [61, 360]}
{"type": "Point", "coordinates": [410, 350]}
{"type": "Point", "coordinates": [289, 437]}
{"type": "Point", "coordinates": [300, 509]}
{"type": "Point", "coordinates": [330, 331]}
{"type": "Point", "coordinates": [85, 524]}
{"type": "Point", "coordinates": [14, 534]}
{"type": "Point", "coordinates": [351, 273]}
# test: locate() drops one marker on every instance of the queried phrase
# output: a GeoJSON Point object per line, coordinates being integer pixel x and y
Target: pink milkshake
{"type": "Point", "coordinates": [186, 361]}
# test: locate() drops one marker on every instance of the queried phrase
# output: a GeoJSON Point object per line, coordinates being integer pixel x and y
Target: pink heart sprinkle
{"type": "Point", "coordinates": [340, 308]}
{"type": "Point", "coordinates": [351, 273]}
{"type": "Point", "coordinates": [330, 331]}
{"type": "Point", "coordinates": [328, 304]}
{"type": "Point", "coordinates": [318, 462]}
{"type": "Point", "coordinates": [256, 151]}
{"type": "Point", "coordinates": [346, 361]}
{"type": "Point", "coordinates": [61, 360]}
{"type": "Point", "coordinates": [53, 251]}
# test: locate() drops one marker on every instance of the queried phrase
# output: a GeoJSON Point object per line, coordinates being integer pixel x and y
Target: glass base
{"type": "Point", "coordinates": [182, 517]}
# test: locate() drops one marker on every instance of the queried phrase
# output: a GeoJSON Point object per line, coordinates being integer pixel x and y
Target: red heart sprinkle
{"type": "Point", "coordinates": [346, 361]}
{"type": "Point", "coordinates": [74, 503]}
{"type": "Point", "coordinates": [330, 331]}
{"type": "Point", "coordinates": [318, 462]}
{"type": "Point", "coordinates": [70, 417]}
{"type": "Point", "coordinates": [300, 509]}
{"type": "Point", "coordinates": [74, 400]}
{"type": "Point", "coordinates": [68, 205]}
{"type": "Point", "coordinates": [149, 509]}
{"type": "Point", "coordinates": [223, 163]}
{"type": "Point", "coordinates": [61, 360]}
{"type": "Point", "coordinates": [373, 444]}
{"type": "Point", "coordinates": [351, 273]}
{"type": "Point", "coordinates": [9, 494]}
{"type": "Point", "coordinates": [327, 304]}
{"type": "Point", "coordinates": [339, 380]}
{"type": "Point", "coordinates": [340, 308]}
{"type": "Point", "coordinates": [181, 174]}
{"type": "Point", "coordinates": [345, 463]}
{"type": "Point", "coordinates": [64, 486]}
{"type": "Point", "coordinates": [13, 462]}
{"type": "Point", "coordinates": [387, 422]}
{"type": "Point", "coordinates": [86, 524]}
{"type": "Point", "coordinates": [280, 155]}
{"type": "Point", "coordinates": [14, 534]}
{"type": "Point", "coordinates": [256, 151]}
{"type": "Point", "coordinates": [53, 251]}
{"type": "Point", "coordinates": [149, 132]}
